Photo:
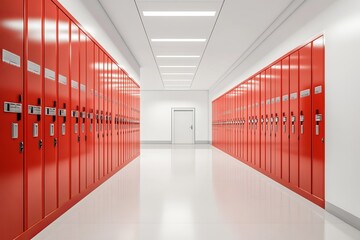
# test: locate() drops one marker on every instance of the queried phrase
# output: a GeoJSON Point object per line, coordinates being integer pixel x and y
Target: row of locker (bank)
{"type": "Point", "coordinates": [274, 121]}
{"type": "Point", "coordinates": [69, 113]}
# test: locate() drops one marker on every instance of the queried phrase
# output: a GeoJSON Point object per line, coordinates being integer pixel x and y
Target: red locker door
{"type": "Point", "coordinates": [272, 119]}
{"type": "Point", "coordinates": [121, 123]}
{"type": "Point", "coordinates": [90, 164]}
{"type": "Point", "coordinates": [277, 122]}
{"type": "Point", "coordinates": [238, 116]}
{"type": "Point", "coordinates": [305, 118]}
{"type": "Point", "coordinates": [11, 90]}
{"type": "Point", "coordinates": [294, 119]}
{"type": "Point", "coordinates": [246, 122]}
{"type": "Point", "coordinates": [268, 120]}
{"type": "Point", "coordinates": [75, 107]}
{"type": "Point", "coordinates": [262, 120]}
{"type": "Point", "coordinates": [33, 130]}
{"type": "Point", "coordinates": [318, 115]}
{"type": "Point", "coordinates": [83, 109]}
{"type": "Point", "coordinates": [256, 100]}
{"type": "Point", "coordinates": [249, 120]}
{"type": "Point", "coordinates": [108, 121]}
{"type": "Point", "coordinates": [64, 108]}
{"type": "Point", "coordinates": [105, 87]}
{"type": "Point", "coordinates": [97, 116]}
{"type": "Point", "coordinates": [102, 113]}
{"type": "Point", "coordinates": [50, 126]}
{"type": "Point", "coordinates": [285, 120]}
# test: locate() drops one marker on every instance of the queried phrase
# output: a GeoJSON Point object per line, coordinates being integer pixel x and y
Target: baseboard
{"type": "Point", "coordinates": [155, 142]}
{"type": "Point", "coordinates": [202, 142]}
{"type": "Point", "coordinates": [343, 215]}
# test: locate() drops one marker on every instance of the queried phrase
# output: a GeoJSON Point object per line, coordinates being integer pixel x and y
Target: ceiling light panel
{"type": "Point", "coordinates": [179, 13]}
{"type": "Point", "coordinates": [177, 66]}
{"type": "Point", "coordinates": [178, 39]}
{"type": "Point", "coordinates": [178, 56]}
{"type": "Point", "coordinates": [169, 74]}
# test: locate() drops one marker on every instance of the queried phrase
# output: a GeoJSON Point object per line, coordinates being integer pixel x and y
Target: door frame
{"type": "Point", "coordinates": [173, 121]}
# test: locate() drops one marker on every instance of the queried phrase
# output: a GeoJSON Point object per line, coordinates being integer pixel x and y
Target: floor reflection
{"type": "Point", "coordinates": [194, 192]}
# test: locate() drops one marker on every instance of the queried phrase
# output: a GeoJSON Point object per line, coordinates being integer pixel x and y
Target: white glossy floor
{"type": "Point", "coordinates": [194, 192]}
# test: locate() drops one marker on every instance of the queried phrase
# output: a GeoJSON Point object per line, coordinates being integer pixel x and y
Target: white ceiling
{"type": "Point", "coordinates": [236, 28]}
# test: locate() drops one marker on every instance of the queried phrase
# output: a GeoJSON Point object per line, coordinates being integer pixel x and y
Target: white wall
{"type": "Point", "coordinates": [339, 21]}
{"type": "Point", "coordinates": [94, 19]}
{"type": "Point", "coordinates": [156, 113]}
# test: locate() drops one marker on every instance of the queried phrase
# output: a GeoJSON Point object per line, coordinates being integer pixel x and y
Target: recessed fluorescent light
{"type": "Point", "coordinates": [176, 85]}
{"type": "Point", "coordinates": [177, 66]}
{"type": "Point", "coordinates": [179, 13]}
{"type": "Point", "coordinates": [177, 73]}
{"type": "Point", "coordinates": [178, 39]}
{"type": "Point", "coordinates": [177, 80]}
{"type": "Point", "coordinates": [178, 56]}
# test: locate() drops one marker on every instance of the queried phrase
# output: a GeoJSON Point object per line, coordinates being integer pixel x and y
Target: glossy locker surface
{"type": "Point", "coordinates": [75, 111]}
{"type": "Point", "coordinates": [96, 116]}
{"type": "Point", "coordinates": [305, 118]}
{"type": "Point", "coordinates": [268, 80]}
{"type": "Point", "coordinates": [83, 110]}
{"type": "Point", "coordinates": [90, 164]}
{"type": "Point", "coordinates": [63, 40]}
{"type": "Point", "coordinates": [285, 120]}
{"type": "Point", "coordinates": [50, 96]}
{"type": "Point", "coordinates": [197, 193]}
{"type": "Point", "coordinates": [277, 122]}
{"type": "Point", "coordinates": [318, 111]}
{"type": "Point", "coordinates": [294, 119]}
{"type": "Point", "coordinates": [102, 116]}
{"type": "Point", "coordinates": [250, 109]}
{"type": "Point", "coordinates": [11, 163]}
{"type": "Point", "coordinates": [262, 120]}
{"type": "Point", "coordinates": [34, 122]}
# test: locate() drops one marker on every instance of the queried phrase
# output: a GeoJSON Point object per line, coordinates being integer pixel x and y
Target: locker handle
{"type": "Point", "coordinates": [55, 142]}
{"type": "Point", "coordinates": [40, 143]}
{"type": "Point", "coordinates": [21, 146]}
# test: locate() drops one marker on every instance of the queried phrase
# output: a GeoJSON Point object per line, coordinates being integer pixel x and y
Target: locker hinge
{"type": "Point", "coordinates": [21, 147]}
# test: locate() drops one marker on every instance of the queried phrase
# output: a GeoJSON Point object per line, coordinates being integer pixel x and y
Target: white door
{"type": "Point", "coordinates": [183, 129]}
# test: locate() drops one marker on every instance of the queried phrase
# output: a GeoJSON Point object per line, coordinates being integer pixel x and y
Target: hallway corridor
{"type": "Point", "coordinates": [194, 192]}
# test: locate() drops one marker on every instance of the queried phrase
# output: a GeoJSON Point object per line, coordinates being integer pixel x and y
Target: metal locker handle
{"type": "Point", "coordinates": [284, 128]}
{"type": "Point", "coordinates": [302, 128]}
{"type": "Point", "coordinates": [293, 128]}
{"type": "Point", "coordinates": [317, 129]}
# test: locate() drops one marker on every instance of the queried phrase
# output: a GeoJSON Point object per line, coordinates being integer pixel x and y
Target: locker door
{"type": "Point", "coordinates": [90, 113]}
{"type": "Point", "coordinates": [294, 119]}
{"type": "Point", "coordinates": [74, 114]}
{"type": "Point", "coordinates": [272, 119]}
{"type": "Point", "coordinates": [249, 120]}
{"type": "Point", "coordinates": [108, 113]}
{"type": "Point", "coordinates": [11, 162]}
{"type": "Point", "coordinates": [268, 120]}
{"type": "Point", "coordinates": [121, 123]}
{"type": "Point", "coordinates": [96, 115]}
{"type": "Point", "coordinates": [277, 122]}
{"type": "Point", "coordinates": [238, 117]}
{"type": "Point", "coordinates": [33, 130]}
{"type": "Point", "coordinates": [83, 110]}
{"type": "Point", "coordinates": [102, 114]}
{"type": "Point", "coordinates": [285, 120]}
{"type": "Point", "coordinates": [256, 100]}
{"type": "Point", "coordinates": [116, 115]}
{"type": "Point", "coordinates": [318, 115]}
{"type": "Point", "coordinates": [50, 126]}
{"type": "Point", "coordinates": [305, 118]}
{"type": "Point", "coordinates": [246, 122]}
{"type": "Point", "coordinates": [64, 108]}
{"type": "Point", "coordinates": [262, 120]}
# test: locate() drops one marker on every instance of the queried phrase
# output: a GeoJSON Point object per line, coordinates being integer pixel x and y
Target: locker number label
{"type": "Point", "coordinates": [50, 111]}
{"type": "Point", "coordinates": [11, 58]}
{"type": "Point", "coordinates": [305, 93]}
{"type": "Point", "coordinates": [10, 107]}
{"type": "Point", "coordinates": [34, 110]}
{"type": "Point", "coordinates": [318, 90]}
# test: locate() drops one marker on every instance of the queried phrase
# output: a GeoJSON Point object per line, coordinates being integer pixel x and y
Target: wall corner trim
{"type": "Point", "coordinates": [343, 215]}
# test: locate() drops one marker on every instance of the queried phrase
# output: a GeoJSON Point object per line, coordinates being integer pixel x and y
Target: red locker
{"type": "Point", "coordinates": [102, 113]}
{"type": "Point", "coordinates": [108, 116]}
{"type": "Point", "coordinates": [277, 119]}
{"type": "Point", "coordinates": [285, 121]}
{"type": "Point", "coordinates": [121, 113]}
{"type": "Point", "coordinates": [272, 119]}
{"type": "Point", "coordinates": [262, 120]}
{"type": "Point", "coordinates": [50, 124]}
{"type": "Point", "coordinates": [11, 90]}
{"type": "Point", "coordinates": [238, 120]}
{"type": "Point", "coordinates": [305, 118]}
{"type": "Point", "coordinates": [63, 39]}
{"type": "Point", "coordinates": [294, 119]}
{"type": "Point", "coordinates": [249, 120]}
{"type": "Point", "coordinates": [256, 100]}
{"type": "Point", "coordinates": [318, 116]}
{"type": "Point", "coordinates": [97, 116]}
{"type": "Point", "coordinates": [83, 110]}
{"type": "Point", "coordinates": [33, 129]}
{"type": "Point", "coordinates": [75, 107]}
{"type": "Point", "coordinates": [268, 120]}
{"type": "Point", "coordinates": [90, 164]}
{"type": "Point", "coordinates": [246, 122]}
